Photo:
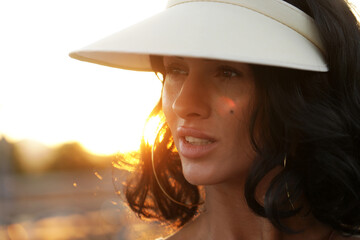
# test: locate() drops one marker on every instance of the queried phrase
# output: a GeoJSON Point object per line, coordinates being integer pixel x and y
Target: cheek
{"type": "Point", "coordinates": [167, 100]}
{"type": "Point", "coordinates": [224, 106]}
{"type": "Point", "coordinates": [237, 127]}
{"type": "Point", "coordinates": [234, 111]}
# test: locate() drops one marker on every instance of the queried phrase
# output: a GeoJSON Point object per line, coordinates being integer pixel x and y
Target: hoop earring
{"type": "Point", "coordinates": [287, 188]}
{"type": "Point", "coordinates": [157, 179]}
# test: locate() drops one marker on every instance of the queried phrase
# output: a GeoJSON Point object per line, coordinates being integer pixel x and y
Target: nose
{"type": "Point", "coordinates": [193, 99]}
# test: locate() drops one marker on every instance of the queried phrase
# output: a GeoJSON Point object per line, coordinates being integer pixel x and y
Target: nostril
{"type": "Point", "coordinates": [193, 115]}
{"type": "Point", "coordinates": [191, 108]}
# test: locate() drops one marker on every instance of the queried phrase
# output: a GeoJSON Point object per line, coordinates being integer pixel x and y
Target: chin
{"type": "Point", "coordinates": [204, 173]}
{"type": "Point", "coordinates": [194, 180]}
{"type": "Point", "coordinates": [198, 181]}
{"type": "Point", "coordinates": [201, 175]}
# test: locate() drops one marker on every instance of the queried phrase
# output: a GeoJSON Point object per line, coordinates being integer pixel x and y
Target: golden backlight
{"type": "Point", "coordinates": [151, 129]}
{"type": "Point", "coordinates": [47, 97]}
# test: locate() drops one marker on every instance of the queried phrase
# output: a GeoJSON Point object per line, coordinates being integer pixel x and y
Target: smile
{"type": "Point", "coordinates": [196, 148]}
{"type": "Point", "coordinates": [197, 141]}
{"type": "Point", "coordinates": [194, 143]}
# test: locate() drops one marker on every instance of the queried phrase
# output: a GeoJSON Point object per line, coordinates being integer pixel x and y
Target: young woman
{"type": "Point", "coordinates": [261, 107]}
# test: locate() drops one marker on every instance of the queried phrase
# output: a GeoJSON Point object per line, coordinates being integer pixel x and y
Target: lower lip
{"type": "Point", "coordinates": [195, 151]}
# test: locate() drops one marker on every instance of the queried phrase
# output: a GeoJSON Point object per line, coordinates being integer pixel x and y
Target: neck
{"type": "Point", "coordinates": [227, 216]}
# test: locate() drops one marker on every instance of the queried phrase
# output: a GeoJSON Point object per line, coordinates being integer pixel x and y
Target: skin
{"type": "Point", "coordinates": [214, 99]}
{"type": "Point", "coordinates": [199, 95]}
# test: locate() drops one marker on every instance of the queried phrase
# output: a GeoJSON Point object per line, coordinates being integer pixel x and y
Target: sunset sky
{"type": "Point", "coordinates": [48, 97]}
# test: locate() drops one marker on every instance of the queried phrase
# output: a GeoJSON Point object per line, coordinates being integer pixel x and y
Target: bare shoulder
{"type": "Point", "coordinates": [175, 236]}
{"type": "Point", "coordinates": [180, 235]}
{"type": "Point", "coordinates": [191, 230]}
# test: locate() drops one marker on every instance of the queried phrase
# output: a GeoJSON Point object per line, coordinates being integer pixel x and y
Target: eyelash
{"type": "Point", "coordinates": [222, 71]}
{"type": "Point", "coordinates": [175, 71]}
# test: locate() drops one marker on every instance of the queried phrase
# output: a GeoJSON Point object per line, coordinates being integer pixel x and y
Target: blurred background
{"type": "Point", "coordinates": [63, 122]}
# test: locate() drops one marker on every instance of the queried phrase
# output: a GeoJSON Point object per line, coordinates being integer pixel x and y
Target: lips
{"type": "Point", "coordinates": [197, 141]}
{"type": "Point", "coordinates": [194, 143]}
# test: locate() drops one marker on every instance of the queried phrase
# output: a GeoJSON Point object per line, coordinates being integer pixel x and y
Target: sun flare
{"type": "Point", "coordinates": [151, 129]}
{"type": "Point", "coordinates": [52, 99]}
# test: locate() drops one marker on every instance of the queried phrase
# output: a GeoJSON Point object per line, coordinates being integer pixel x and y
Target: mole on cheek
{"type": "Point", "coordinates": [225, 106]}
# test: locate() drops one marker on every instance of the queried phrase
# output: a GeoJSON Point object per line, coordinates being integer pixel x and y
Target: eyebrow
{"type": "Point", "coordinates": [204, 59]}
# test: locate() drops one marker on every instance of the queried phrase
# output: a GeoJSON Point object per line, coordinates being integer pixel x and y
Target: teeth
{"type": "Point", "coordinates": [197, 141]}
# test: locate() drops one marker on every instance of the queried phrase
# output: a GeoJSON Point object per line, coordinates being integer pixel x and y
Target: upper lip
{"type": "Point", "coordinates": [193, 132]}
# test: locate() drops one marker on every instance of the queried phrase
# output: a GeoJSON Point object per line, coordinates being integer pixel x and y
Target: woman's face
{"type": "Point", "coordinates": [207, 104]}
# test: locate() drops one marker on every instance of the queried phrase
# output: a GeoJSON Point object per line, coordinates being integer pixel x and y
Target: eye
{"type": "Point", "coordinates": [228, 72]}
{"type": "Point", "coordinates": [175, 71]}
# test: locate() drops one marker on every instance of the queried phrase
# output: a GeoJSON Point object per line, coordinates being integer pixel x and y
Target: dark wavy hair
{"type": "Point", "coordinates": [311, 118]}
